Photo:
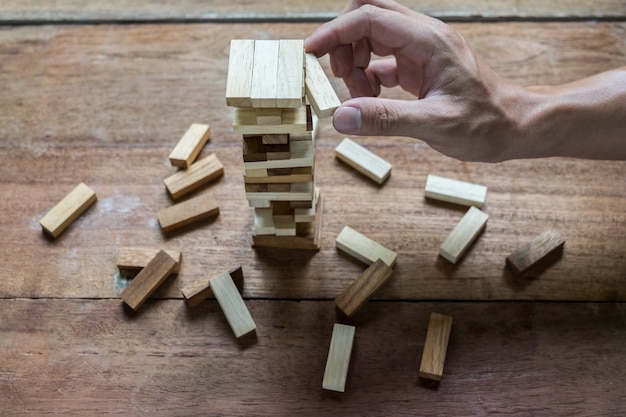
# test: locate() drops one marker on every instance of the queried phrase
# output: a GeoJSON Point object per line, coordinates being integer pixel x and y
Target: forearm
{"type": "Point", "coordinates": [583, 119]}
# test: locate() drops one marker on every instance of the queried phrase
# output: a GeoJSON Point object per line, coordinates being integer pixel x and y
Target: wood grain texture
{"type": "Point", "coordinates": [148, 280]}
{"type": "Point", "coordinates": [68, 209]}
{"type": "Point", "coordinates": [356, 295]}
{"type": "Point", "coordinates": [319, 90]}
{"type": "Point", "coordinates": [435, 347]}
{"type": "Point", "coordinates": [51, 129]}
{"type": "Point", "coordinates": [198, 291]}
{"type": "Point", "coordinates": [532, 252]}
{"type": "Point", "coordinates": [296, 10]}
{"type": "Point", "coordinates": [88, 357]}
{"type": "Point", "coordinates": [190, 145]}
{"type": "Point", "coordinates": [133, 258]}
{"type": "Point", "coordinates": [338, 360]}
{"type": "Point", "coordinates": [188, 212]}
{"type": "Point", "coordinates": [363, 160]}
{"type": "Point", "coordinates": [199, 174]}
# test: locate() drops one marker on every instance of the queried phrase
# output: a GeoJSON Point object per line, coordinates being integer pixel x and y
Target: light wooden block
{"type": "Point", "coordinates": [189, 146]}
{"type": "Point", "coordinates": [148, 280]}
{"type": "Point", "coordinates": [278, 179]}
{"type": "Point", "coordinates": [338, 361]}
{"type": "Point", "coordinates": [285, 229]}
{"type": "Point", "coordinates": [264, 73]}
{"type": "Point", "coordinates": [290, 75]}
{"type": "Point", "coordinates": [68, 209]}
{"type": "Point", "coordinates": [299, 192]}
{"type": "Point", "coordinates": [363, 248]}
{"type": "Point", "coordinates": [293, 121]}
{"type": "Point", "coordinates": [233, 306]}
{"type": "Point", "coordinates": [255, 173]}
{"type": "Point", "coordinates": [302, 155]}
{"type": "Point", "coordinates": [319, 90]}
{"type": "Point", "coordinates": [264, 222]}
{"type": "Point", "coordinates": [282, 139]}
{"type": "Point", "coordinates": [240, 66]}
{"type": "Point", "coordinates": [187, 212]}
{"type": "Point", "coordinates": [259, 203]}
{"type": "Point", "coordinates": [455, 191]}
{"type": "Point", "coordinates": [435, 347]}
{"type": "Point", "coordinates": [534, 251]}
{"type": "Point", "coordinates": [198, 174]}
{"type": "Point", "coordinates": [307, 214]}
{"type": "Point", "coordinates": [464, 234]}
{"type": "Point", "coordinates": [269, 117]}
{"type": "Point", "coordinates": [363, 160]}
{"type": "Point", "coordinates": [131, 258]}
{"type": "Point", "coordinates": [357, 294]}
{"type": "Point", "coordinates": [199, 290]}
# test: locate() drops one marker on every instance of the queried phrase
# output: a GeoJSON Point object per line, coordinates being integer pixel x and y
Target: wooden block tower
{"type": "Point", "coordinates": [266, 86]}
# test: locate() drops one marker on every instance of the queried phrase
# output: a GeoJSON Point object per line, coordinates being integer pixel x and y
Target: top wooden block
{"type": "Point", "coordinates": [319, 91]}
{"type": "Point", "coordinates": [455, 191]}
{"type": "Point", "coordinates": [266, 73]}
{"type": "Point", "coordinates": [68, 210]}
{"type": "Point", "coordinates": [190, 145]}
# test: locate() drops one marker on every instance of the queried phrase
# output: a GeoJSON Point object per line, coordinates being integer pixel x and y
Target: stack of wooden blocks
{"type": "Point", "coordinates": [268, 85]}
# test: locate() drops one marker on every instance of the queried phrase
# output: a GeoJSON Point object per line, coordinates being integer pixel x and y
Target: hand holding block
{"type": "Point", "coordinates": [464, 233]}
{"type": "Point", "coordinates": [363, 160]}
{"type": "Point", "coordinates": [67, 210]}
{"type": "Point", "coordinates": [232, 304]}
{"type": "Point", "coordinates": [357, 294]}
{"type": "Point", "coordinates": [364, 248]}
{"type": "Point", "coordinates": [137, 258]}
{"type": "Point", "coordinates": [187, 212]}
{"type": "Point", "coordinates": [199, 173]}
{"type": "Point", "coordinates": [454, 191]}
{"type": "Point", "coordinates": [148, 280]}
{"type": "Point", "coordinates": [190, 145]}
{"type": "Point", "coordinates": [435, 347]}
{"type": "Point", "coordinates": [318, 89]}
{"type": "Point", "coordinates": [534, 251]}
{"type": "Point", "coordinates": [338, 361]}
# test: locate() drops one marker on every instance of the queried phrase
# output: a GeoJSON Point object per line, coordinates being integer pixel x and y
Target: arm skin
{"type": "Point", "coordinates": [463, 108]}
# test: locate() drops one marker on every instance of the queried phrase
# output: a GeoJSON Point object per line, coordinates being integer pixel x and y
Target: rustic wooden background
{"type": "Point", "coordinates": [100, 92]}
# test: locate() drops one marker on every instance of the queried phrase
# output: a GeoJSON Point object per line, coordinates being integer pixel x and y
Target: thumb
{"type": "Point", "coordinates": [370, 116]}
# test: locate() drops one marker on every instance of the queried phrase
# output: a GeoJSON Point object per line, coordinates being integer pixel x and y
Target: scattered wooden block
{"type": "Point", "coordinates": [198, 174]}
{"type": "Point", "coordinates": [198, 291]}
{"type": "Point", "coordinates": [338, 361]}
{"type": "Point", "coordinates": [148, 280]}
{"type": "Point", "coordinates": [363, 160]}
{"type": "Point", "coordinates": [190, 145]}
{"type": "Point", "coordinates": [240, 67]}
{"type": "Point", "coordinates": [357, 294]}
{"type": "Point", "coordinates": [454, 191]}
{"type": "Point", "coordinates": [306, 214]}
{"type": "Point", "coordinates": [435, 347]}
{"type": "Point", "coordinates": [534, 251]}
{"type": "Point", "coordinates": [232, 304]}
{"type": "Point", "coordinates": [187, 212]}
{"type": "Point", "coordinates": [290, 74]}
{"type": "Point", "coordinates": [132, 259]}
{"type": "Point", "coordinates": [319, 90]}
{"type": "Point", "coordinates": [68, 209]}
{"type": "Point", "coordinates": [463, 234]}
{"type": "Point", "coordinates": [264, 71]}
{"type": "Point", "coordinates": [363, 248]}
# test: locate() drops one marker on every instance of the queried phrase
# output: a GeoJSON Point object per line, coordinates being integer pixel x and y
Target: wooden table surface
{"type": "Point", "coordinates": [100, 94]}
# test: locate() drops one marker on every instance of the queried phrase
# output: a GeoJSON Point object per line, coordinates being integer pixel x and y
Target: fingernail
{"type": "Point", "coordinates": [347, 120]}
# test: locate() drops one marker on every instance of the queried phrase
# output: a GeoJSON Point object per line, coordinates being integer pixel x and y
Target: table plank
{"type": "Point", "coordinates": [34, 11]}
{"type": "Point", "coordinates": [90, 357]}
{"type": "Point", "coordinates": [105, 105]}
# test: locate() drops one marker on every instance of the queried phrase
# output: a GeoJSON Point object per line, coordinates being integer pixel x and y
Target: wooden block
{"type": "Point", "coordinates": [319, 90]}
{"type": "Point", "coordinates": [357, 294]}
{"type": "Point", "coordinates": [187, 212]}
{"type": "Point", "coordinates": [306, 214]}
{"type": "Point", "coordinates": [282, 139]}
{"type": "Point", "coordinates": [260, 203]}
{"type": "Point", "coordinates": [277, 152]}
{"type": "Point", "coordinates": [454, 191]}
{"type": "Point", "coordinates": [298, 192]}
{"type": "Point", "coordinates": [338, 361]}
{"type": "Point", "coordinates": [198, 291]}
{"type": "Point", "coordinates": [68, 209]}
{"type": "Point", "coordinates": [293, 121]}
{"type": "Point", "coordinates": [363, 248]}
{"type": "Point", "coordinates": [264, 73]}
{"type": "Point", "coordinates": [290, 75]}
{"type": "Point", "coordinates": [240, 67]}
{"type": "Point", "coordinates": [198, 174]}
{"type": "Point", "coordinates": [302, 155]}
{"type": "Point", "coordinates": [286, 229]}
{"type": "Point", "coordinates": [130, 258]}
{"type": "Point", "coordinates": [253, 148]}
{"type": "Point", "coordinates": [256, 188]}
{"type": "Point", "coordinates": [269, 117]}
{"type": "Point", "coordinates": [264, 221]}
{"type": "Point", "coordinates": [232, 304]}
{"type": "Point", "coordinates": [463, 234]}
{"type": "Point", "coordinates": [278, 188]}
{"type": "Point", "coordinates": [363, 160]}
{"type": "Point", "coordinates": [534, 251]}
{"type": "Point", "coordinates": [435, 347]}
{"type": "Point", "coordinates": [190, 145]}
{"type": "Point", "coordinates": [148, 280]}
{"type": "Point", "coordinates": [282, 212]}
{"type": "Point", "coordinates": [279, 179]}
{"type": "Point", "coordinates": [254, 173]}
